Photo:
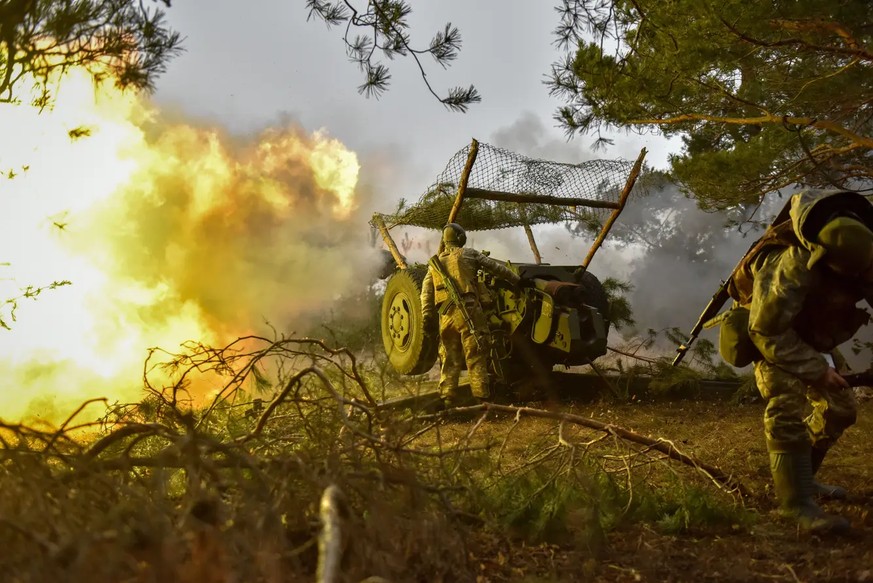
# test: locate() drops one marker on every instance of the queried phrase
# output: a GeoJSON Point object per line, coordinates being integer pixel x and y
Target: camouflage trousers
{"type": "Point", "coordinates": [458, 345]}
{"type": "Point", "coordinates": [798, 415]}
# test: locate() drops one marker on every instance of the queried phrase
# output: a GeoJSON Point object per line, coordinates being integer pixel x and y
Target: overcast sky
{"type": "Point", "coordinates": [263, 65]}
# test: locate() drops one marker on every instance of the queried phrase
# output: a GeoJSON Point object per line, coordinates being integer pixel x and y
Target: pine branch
{"type": "Point", "coordinates": [386, 25]}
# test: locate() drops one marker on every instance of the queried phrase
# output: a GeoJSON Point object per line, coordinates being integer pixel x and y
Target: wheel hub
{"type": "Point", "coordinates": [400, 321]}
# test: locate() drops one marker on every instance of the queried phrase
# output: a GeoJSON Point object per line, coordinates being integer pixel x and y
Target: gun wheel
{"type": "Point", "coordinates": [410, 348]}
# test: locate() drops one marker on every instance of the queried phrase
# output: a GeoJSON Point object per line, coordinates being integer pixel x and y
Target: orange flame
{"type": "Point", "coordinates": [168, 232]}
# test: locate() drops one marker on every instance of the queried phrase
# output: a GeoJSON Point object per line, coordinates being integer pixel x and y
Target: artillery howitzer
{"type": "Point", "coordinates": [563, 318]}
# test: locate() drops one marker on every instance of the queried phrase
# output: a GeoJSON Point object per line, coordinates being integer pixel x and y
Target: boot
{"type": "Point", "coordinates": [792, 480]}
{"type": "Point", "coordinates": [458, 399]}
{"type": "Point", "coordinates": [824, 491]}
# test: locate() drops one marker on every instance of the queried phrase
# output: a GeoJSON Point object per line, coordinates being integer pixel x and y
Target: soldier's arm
{"type": "Point", "coordinates": [427, 307]}
{"type": "Point", "coordinates": [495, 268]}
{"type": "Point", "coordinates": [781, 286]}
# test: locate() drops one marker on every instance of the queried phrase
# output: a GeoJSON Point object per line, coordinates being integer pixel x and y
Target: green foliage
{"type": "Point", "coordinates": [673, 503]}
{"type": "Point", "coordinates": [656, 375]}
{"type": "Point", "coordinates": [685, 507]}
{"type": "Point", "coordinates": [685, 380]}
{"type": "Point", "coordinates": [123, 40]}
{"type": "Point", "coordinates": [676, 381]}
{"type": "Point", "coordinates": [582, 501]}
{"type": "Point", "coordinates": [354, 322]}
{"type": "Point", "coordinates": [620, 311]}
{"type": "Point", "coordinates": [764, 94]}
{"type": "Point", "coordinates": [385, 26]}
{"type": "Point", "coordinates": [537, 507]}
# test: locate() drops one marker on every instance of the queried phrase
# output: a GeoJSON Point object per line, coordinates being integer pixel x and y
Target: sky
{"type": "Point", "coordinates": [250, 69]}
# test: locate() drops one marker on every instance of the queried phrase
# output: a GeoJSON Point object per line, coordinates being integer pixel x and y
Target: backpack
{"type": "Point", "coordinates": [734, 343]}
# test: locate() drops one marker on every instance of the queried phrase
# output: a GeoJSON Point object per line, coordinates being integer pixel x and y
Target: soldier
{"type": "Point", "coordinates": [804, 290]}
{"type": "Point", "coordinates": [459, 342]}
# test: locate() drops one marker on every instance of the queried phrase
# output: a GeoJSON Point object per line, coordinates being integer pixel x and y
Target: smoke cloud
{"type": "Point", "coordinates": [169, 231]}
{"type": "Point", "coordinates": [243, 230]}
{"type": "Point", "coordinates": [674, 254]}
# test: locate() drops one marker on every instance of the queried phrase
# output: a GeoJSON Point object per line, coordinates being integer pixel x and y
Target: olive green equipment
{"type": "Point", "coordinates": [561, 318]}
{"type": "Point", "coordinates": [735, 345]}
{"type": "Point", "coordinates": [454, 234]}
{"type": "Point", "coordinates": [846, 244]}
{"type": "Point", "coordinates": [454, 298]}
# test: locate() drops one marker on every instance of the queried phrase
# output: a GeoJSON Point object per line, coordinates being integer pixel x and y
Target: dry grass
{"type": "Point", "coordinates": [233, 490]}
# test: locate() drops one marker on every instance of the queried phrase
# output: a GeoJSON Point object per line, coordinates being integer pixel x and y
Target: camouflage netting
{"type": "Point", "coordinates": [500, 171]}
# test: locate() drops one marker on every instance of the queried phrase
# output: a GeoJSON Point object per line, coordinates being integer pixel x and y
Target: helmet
{"type": "Point", "coordinates": [846, 246]}
{"type": "Point", "coordinates": [454, 234]}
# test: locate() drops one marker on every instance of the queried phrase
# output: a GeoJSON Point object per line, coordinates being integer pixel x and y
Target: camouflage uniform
{"type": "Point", "coordinates": [802, 307]}
{"type": "Point", "coordinates": [798, 313]}
{"type": "Point", "coordinates": [458, 343]}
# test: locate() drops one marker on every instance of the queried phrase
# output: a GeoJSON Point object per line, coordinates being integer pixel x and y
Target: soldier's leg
{"type": "Point", "coordinates": [476, 353]}
{"type": "Point", "coordinates": [785, 397]}
{"type": "Point", "coordinates": [832, 413]}
{"type": "Point", "coordinates": [790, 450]}
{"type": "Point", "coordinates": [453, 354]}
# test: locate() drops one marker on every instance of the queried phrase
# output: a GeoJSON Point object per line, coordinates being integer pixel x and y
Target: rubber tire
{"type": "Point", "coordinates": [410, 348]}
{"type": "Point", "coordinates": [595, 295]}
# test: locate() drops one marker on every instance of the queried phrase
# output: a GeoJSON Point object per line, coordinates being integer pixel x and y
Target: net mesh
{"type": "Point", "coordinates": [500, 172]}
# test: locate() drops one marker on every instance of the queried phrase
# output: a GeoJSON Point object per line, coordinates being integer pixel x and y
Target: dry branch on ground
{"type": "Point", "coordinates": [231, 488]}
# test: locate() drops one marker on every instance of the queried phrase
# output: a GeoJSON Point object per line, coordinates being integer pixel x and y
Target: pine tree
{"type": "Point", "coordinates": [765, 95]}
{"type": "Point", "coordinates": [126, 41]}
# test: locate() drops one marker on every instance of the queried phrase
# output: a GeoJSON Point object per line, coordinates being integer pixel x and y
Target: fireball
{"type": "Point", "coordinates": [121, 231]}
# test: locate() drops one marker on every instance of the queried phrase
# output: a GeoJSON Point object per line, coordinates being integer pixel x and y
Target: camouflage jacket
{"type": "Point", "coordinates": [800, 311]}
{"type": "Point", "coordinates": [462, 265]}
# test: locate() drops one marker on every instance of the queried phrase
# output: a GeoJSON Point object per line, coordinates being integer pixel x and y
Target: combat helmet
{"type": "Point", "coordinates": [454, 234]}
{"type": "Point", "coordinates": [846, 245]}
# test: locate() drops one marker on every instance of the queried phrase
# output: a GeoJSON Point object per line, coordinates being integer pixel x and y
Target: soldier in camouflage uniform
{"type": "Point", "coordinates": [458, 342]}
{"type": "Point", "coordinates": [802, 307]}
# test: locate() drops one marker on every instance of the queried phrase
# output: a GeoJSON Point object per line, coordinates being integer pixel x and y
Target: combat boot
{"type": "Point", "coordinates": [824, 491]}
{"type": "Point", "coordinates": [455, 400]}
{"type": "Point", "coordinates": [792, 480]}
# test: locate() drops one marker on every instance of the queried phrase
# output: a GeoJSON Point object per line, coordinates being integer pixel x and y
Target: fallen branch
{"type": "Point", "coordinates": [664, 446]}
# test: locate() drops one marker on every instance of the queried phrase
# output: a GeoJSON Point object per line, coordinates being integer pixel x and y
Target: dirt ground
{"type": "Point", "coordinates": [729, 436]}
